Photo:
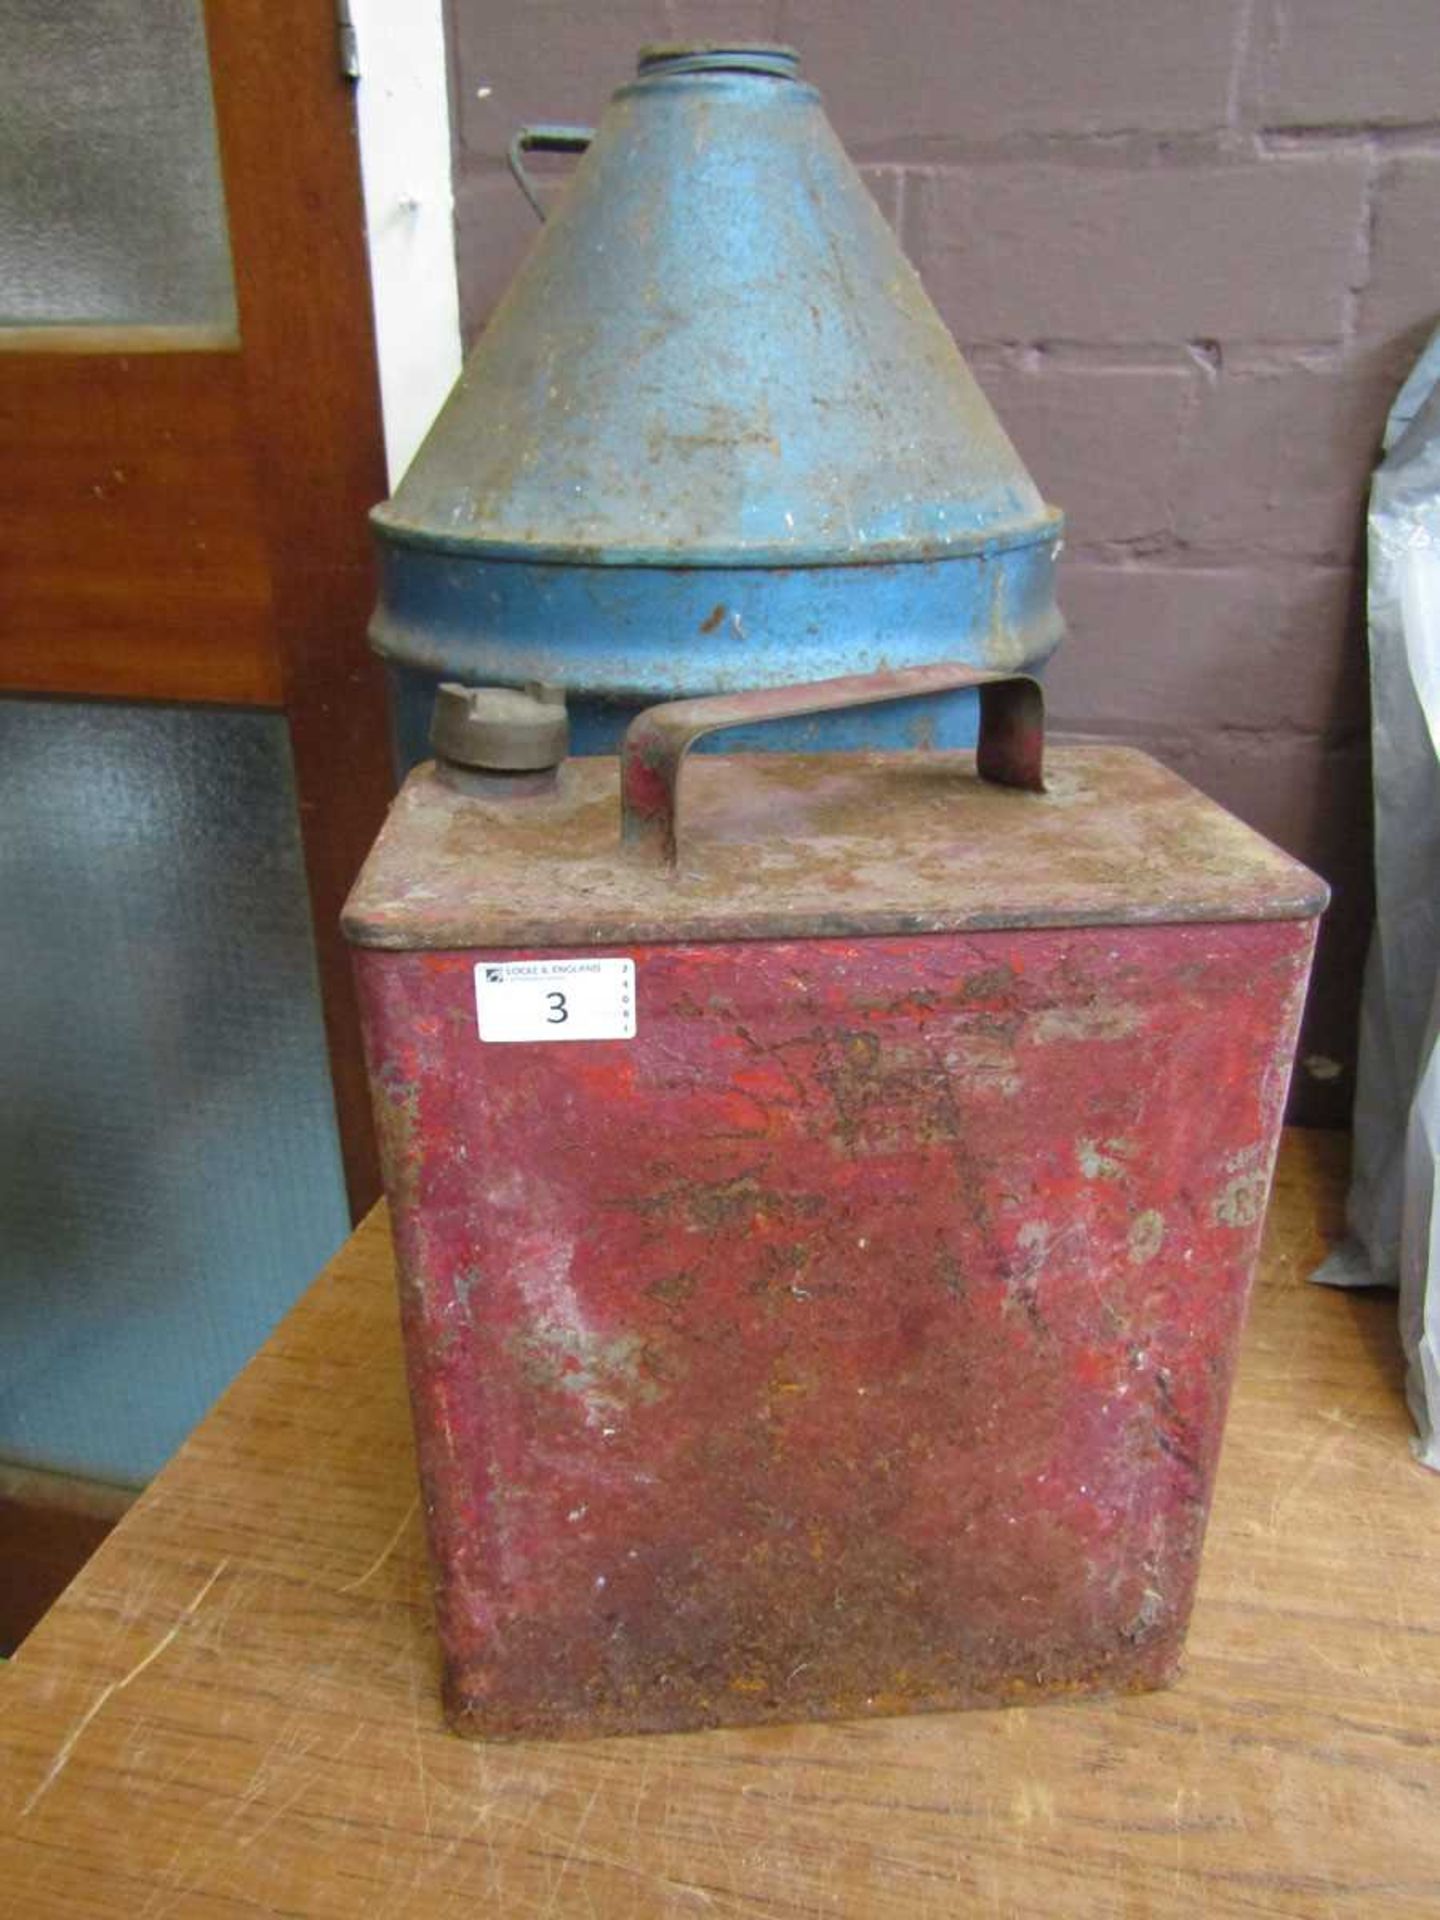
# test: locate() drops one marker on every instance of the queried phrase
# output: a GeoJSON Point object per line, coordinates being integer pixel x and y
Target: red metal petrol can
{"type": "Point", "coordinates": [822, 1247]}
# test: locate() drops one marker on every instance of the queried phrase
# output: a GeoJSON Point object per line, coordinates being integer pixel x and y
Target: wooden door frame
{"type": "Point", "coordinates": [233, 563]}
{"type": "Point", "coordinates": [285, 115]}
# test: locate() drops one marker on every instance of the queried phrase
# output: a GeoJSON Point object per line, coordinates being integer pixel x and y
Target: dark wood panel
{"type": "Point", "coordinates": [136, 561]}
{"type": "Point", "coordinates": [49, 1527]}
{"type": "Point", "coordinates": [187, 521]}
{"type": "Point", "coordinates": [292, 176]}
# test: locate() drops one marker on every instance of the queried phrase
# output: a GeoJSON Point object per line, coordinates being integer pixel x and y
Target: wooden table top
{"type": "Point", "coordinates": [233, 1710]}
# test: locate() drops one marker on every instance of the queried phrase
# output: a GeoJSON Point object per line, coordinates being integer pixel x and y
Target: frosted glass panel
{"type": "Point", "coordinates": [169, 1169]}
{"type": "Point", "coordinates": [111, 210]}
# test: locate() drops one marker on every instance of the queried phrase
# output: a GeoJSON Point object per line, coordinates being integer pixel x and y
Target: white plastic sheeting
{"type": "Point", "coordinates": [1394, 1202]}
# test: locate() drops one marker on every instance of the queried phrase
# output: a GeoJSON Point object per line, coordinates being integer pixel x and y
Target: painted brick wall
{"type": "Point", "coordinates": [1190, 247]}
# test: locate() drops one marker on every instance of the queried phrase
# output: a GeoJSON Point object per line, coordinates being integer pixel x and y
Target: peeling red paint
{"type": "Point", "coordinates": [855, 1339]}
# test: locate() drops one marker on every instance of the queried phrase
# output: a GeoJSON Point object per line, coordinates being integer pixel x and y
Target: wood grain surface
{"type": "Point", "coordinates": [285, 117]}
{"type": "Point", "coordinates": [184, 509]}
{"type": "Point", "coordinates": [50, 1525]}
{"type": "Point", "coordinates": [135, 563]}
{"type": "Point", "coordinates": [233, 1710]}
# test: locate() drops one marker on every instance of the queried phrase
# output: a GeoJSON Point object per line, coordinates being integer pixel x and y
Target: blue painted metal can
{"type": "Point", "coordinates": [715, 437]}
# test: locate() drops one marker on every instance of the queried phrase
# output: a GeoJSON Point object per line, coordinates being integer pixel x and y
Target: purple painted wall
{"type": "Point", "coordinates": [1190, 247]}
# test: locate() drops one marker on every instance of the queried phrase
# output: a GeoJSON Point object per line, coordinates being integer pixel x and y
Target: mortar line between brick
{"type": "Point", "coordinates": [1239, 61]}
{"type": "Point", "coordinates": [902, 213]}
{"type": "Point", "coordinates": [1417, 136]}
{"type": "Point", "coordinates": [1164, 736]}
{"type": "Point", "coordinates": [1202, 382]}
{"type": "Point", "coordinates": [1117, 152]}
{"type": "Point", "coordinates": [1098, 556]}
{"type": "Point", "coordinates": [1115, 148]}
{"type": "Point", "coordinates": [1238, 355]}
{"type": "Point", "coordinates": [1355, 291]}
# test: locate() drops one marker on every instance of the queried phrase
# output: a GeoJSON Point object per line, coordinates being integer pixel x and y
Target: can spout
{"type": "Point", "coordinates": [494, 741]}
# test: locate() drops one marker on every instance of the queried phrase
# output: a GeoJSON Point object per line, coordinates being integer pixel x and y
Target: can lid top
{"type": "Point", "coordinates": [718, 56]}
{"type": "Point", "coordinates": [786, 846]}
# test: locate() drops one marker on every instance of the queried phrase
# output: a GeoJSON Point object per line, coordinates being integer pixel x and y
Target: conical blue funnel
{"type": "Point", "coordinates": [715, 436]}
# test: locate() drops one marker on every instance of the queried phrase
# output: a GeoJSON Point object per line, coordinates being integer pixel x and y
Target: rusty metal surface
{"type": "Point", "coordinates": [714, 436]}
{"type": "Point", "coordinates": [779, 846]}
{"type": "Point", "coordinates": [857, 1337]}
{"type": "Point", "coordinates": [716, 353]}
{"type": "Point", "coordinates": [1010, 749]}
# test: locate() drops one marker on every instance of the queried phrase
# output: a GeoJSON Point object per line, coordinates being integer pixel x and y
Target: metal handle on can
{"type": "Point", "coordinates": [1010, 750]}
{"type": "Point", "coordinates": [543, 140]}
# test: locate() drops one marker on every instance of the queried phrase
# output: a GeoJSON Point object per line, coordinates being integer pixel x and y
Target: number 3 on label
{"type": "Point", "coordinates": [554, 1001]}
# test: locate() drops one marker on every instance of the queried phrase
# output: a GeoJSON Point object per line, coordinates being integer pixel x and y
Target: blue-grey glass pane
{"type": "Point", "coordinates": [169, 1170]}
{"type": "Point", "coordinates": [111, 209]}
